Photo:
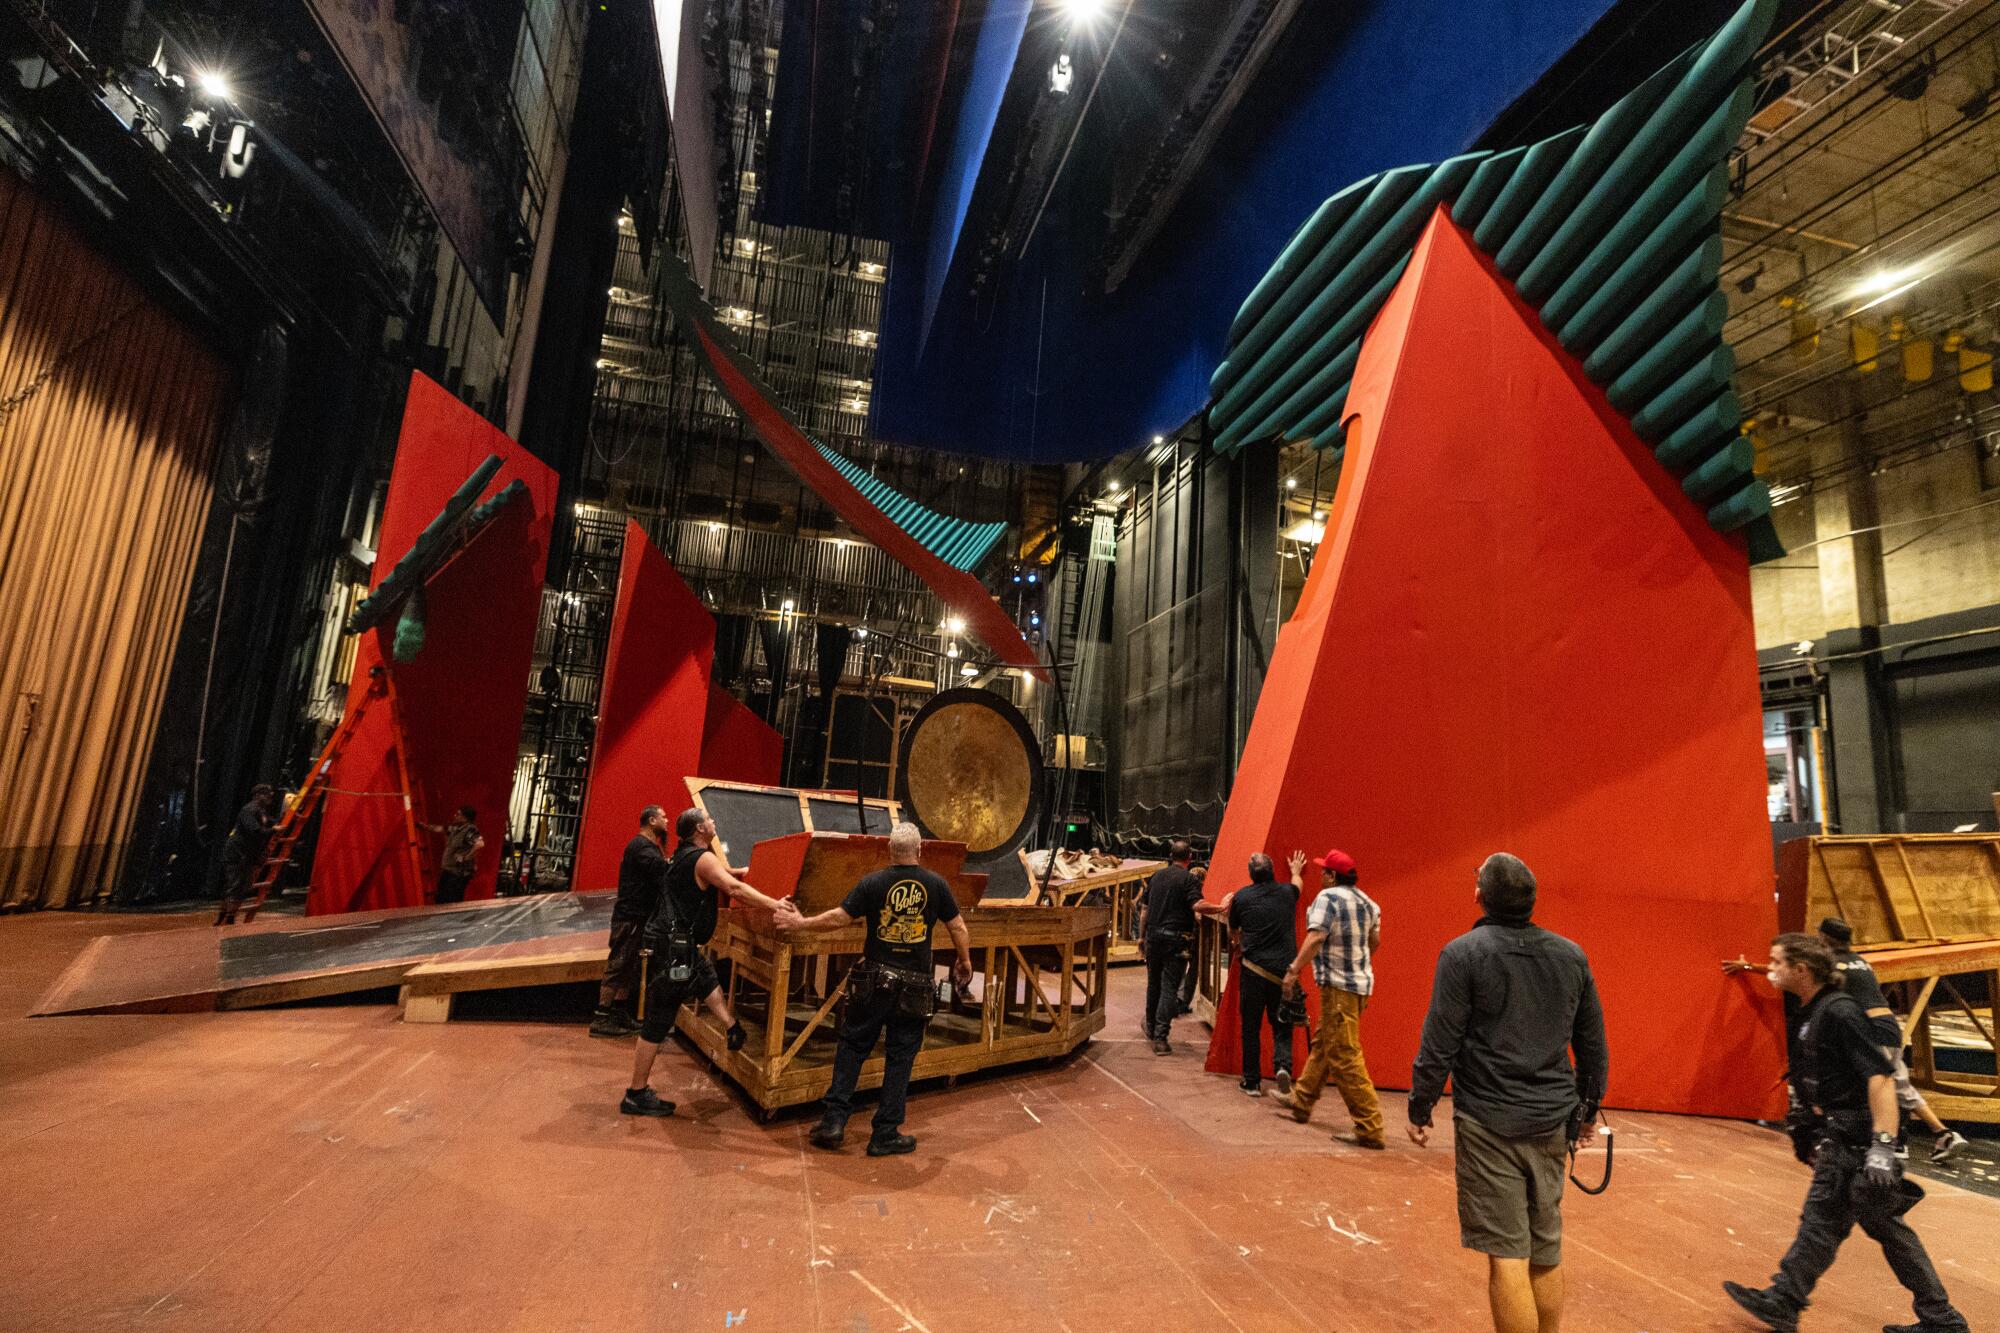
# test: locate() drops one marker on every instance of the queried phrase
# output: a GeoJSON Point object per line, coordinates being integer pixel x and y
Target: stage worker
{"type": "Point", "coordinates": [678, 970]}
{"type": "Point", "coordinates": [892, 988]}
{"type": "Point", "coordinates": [1343, 931]}
{"type": "Point", "coordinates": [1844, 1127]}
{"type": "Point", "coordinates": [642, 877]}
{"type": "Point", "coordinates": [1262, 919]}
{"type": "Point", "coordinates": [1857, 978]}
{"type": "Point", "coordinates": [1509, 1004]}
{"type": "Point", "coordinates": [1166, 935]}
{"type": "Point", "coordinates": [243, 853]}
{"type": "Point", "coordinates": [462, 845]}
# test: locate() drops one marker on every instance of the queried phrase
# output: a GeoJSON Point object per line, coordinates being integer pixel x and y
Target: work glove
{"type": "Point", "coordinates": [1880, 1167]}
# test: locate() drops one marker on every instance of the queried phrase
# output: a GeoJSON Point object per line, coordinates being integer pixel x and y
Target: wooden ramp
{"type": "Point", "coordinates": [277, 961]}
{"type": "Point", "coordinates": [429, 987]}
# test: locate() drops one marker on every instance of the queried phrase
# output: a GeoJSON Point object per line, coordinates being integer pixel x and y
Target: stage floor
{"type": "Point", "coordinates": [329, 1168]}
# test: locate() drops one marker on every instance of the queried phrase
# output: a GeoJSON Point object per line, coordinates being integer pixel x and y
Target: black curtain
{"type": "Point", "coordinates": [776, 632]}
{"type": "Point", "coordinates": [732, 644]}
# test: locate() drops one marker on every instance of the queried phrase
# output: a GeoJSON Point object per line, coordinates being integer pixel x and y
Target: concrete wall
{"type": "Point", "coordinates": [1904, 623]}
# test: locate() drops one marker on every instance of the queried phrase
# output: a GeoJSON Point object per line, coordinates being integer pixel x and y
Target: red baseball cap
{"type": "Point", "coordinates": [1336, 862]}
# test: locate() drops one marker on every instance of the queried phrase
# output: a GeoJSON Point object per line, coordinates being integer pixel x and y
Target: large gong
{"type": "Point", "coordinates": [972, 772]}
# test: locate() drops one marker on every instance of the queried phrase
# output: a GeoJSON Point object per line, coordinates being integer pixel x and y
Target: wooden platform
{"type": "Point", "coordinates": [280, 960]}
{"type": "Point", "coordinates": [427, 989]}
{"type": "Point", "coordinates": [1038, 991]}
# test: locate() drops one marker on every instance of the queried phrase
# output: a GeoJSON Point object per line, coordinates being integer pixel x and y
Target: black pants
{"type": "Point", "coordinates": [451, 885]}
{"type": "Point", "coordinates": [236, 877]}
{"type": "Point", "coordinates": [1259, 1000]}
{"type": "Point", "coordinates": [862, 1023]}
{"type": "Point", "coordinates": [1830, 1213]}
{"type": "Point", "coordinates": [1166, 964]}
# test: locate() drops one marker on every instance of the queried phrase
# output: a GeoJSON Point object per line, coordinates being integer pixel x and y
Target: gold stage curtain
{"type": "Point", "coordinates": [109, 415]}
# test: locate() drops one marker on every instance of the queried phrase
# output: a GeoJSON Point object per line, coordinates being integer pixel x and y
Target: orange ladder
{"type": "Point", "coordinates": [313, 793]}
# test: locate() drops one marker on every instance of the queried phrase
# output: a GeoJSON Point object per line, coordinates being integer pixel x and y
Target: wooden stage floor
{"type": "Point", "coordinates": [330, 1168]}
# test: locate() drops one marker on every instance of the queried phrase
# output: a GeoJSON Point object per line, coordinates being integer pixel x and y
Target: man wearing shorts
{"type": "Point", "coordinates": [1511, 1001]}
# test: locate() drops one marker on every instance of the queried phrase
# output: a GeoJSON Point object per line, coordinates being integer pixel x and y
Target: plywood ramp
{"type": "Point", "coordinates": [280, 960]}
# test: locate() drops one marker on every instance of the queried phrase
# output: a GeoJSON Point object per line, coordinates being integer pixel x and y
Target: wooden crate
{"type": "Point", "coordinates": [1038, 993]}
{"type": "Point", "coordinates": [1119, 890]}
{"type": "Point", "coordinates": [1925, 908]}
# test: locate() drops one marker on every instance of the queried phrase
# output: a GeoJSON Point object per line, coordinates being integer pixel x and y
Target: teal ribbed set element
{"type": "Point", "coordinates": [958, 542]}
{"type": "Point", "coordinates": [1609, 230]}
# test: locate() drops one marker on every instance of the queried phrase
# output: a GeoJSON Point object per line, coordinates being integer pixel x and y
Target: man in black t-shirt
{"type": "Point", "coordinates": [1263, 921]}
{"type": "Point", "coordinates": [243, 853]}
{"type": "Point", "coordinates": [1166, 930]}
{"type": "Point", "coordinates": [642, 876]}
{"type": "Point", "coordinates": [900, 905]}
{"type": "Point", "coordinates": [686, 897]}
{"type": "Point", "coordinates": [1845, 1129]}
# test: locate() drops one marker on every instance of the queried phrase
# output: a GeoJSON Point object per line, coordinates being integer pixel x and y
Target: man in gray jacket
{"type": "Point", "coordinates": [1509, 1003]}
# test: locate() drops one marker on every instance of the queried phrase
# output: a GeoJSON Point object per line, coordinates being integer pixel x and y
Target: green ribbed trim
{"type": "Point", "coordinates": [957, 542]}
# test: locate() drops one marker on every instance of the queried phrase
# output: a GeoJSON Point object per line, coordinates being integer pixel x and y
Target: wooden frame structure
{"type": "Point", "coordinates": [1925, 910]}
{"type": "Point", "coordinates": [1038, 993]}
{"type": "Point", "coordinates": [1118, 890]}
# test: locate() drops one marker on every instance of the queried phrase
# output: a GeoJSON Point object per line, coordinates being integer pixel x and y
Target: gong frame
{"type": "Point", "coordinates": [1030, 747]}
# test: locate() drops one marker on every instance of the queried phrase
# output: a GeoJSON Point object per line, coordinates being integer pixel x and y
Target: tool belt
{"type": "Point", "coordinates": [914, 994]}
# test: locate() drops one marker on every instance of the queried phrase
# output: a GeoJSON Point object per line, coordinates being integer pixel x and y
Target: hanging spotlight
{"type": "Point", "coordinates": [1082, 13]}
{"type": "Point", "coordinates": [213, 86]}
{"type": "Point", "coordinates": [1159, 439]}
{"type": "Point", "coordinates": [955, 625]}
{"type": "Point", "coordinates": [1291, 483]}
{"type": "Point", "coordinates": [951, 650]}
{"type": "Point", "coordinates": [1032, 576]}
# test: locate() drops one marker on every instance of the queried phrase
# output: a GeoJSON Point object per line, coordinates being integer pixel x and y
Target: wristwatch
{"type": "Point", "coordinates": [1887, 1139]}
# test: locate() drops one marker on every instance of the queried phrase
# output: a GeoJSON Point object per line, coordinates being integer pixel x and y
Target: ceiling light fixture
{"type": "Point", "coordinates": [1082, 12]}
{"type": "Point", "coordinates": [955, 625]}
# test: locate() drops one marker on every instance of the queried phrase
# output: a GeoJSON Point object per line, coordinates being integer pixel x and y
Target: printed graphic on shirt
{"type": "Point", "coordinates": [903, 914]}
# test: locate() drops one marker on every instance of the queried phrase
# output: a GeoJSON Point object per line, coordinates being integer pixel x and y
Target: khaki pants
{"type": "Point", "coordinates": [1336, 1054]}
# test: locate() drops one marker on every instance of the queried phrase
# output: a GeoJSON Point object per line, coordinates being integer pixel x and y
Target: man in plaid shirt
{"type": "Point", "coordinates": [1343, 930]}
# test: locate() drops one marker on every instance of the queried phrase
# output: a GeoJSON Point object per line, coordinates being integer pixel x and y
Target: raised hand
{"type": "Point", "coordinates": [1297, 861]}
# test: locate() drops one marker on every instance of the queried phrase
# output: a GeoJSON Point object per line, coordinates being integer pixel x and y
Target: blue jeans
{"type": "Point", "coordinates": [860, 1026]}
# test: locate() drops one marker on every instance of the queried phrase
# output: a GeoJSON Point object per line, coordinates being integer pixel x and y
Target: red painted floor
{"type": "Point", "coordinates": [330, 1168]}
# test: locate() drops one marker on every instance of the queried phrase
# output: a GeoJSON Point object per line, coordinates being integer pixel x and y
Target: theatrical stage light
{"type": "Point", "coordinates": [1032, 577]}
{"type": "Point", "coordinates": [1306, 530]}
{"type": "Point", "coordinates": [1112, 488]}
{"type": "Point", "coordinates": [787, 607]}
{"type": "Point", "coordinates": [956, 625]}
{"type": "Point", "coordinates": [1082, 12]}
{"type": "Point", "coordinates": [1291, 483]}
{"type": "Point", "coordinates": [1159, 439]}
{"type": "Point", "coordinates": [951, 650]}
{"type": "Point", "coordinates": [968, 670]}
{"type": "Point", "coordinates": [860, 631]}
{"type": "Point", "coordinates": [213, 86]}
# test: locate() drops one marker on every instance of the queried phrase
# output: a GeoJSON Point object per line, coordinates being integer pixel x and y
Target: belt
{"type": "Point", "coordinates": [1264, 973]}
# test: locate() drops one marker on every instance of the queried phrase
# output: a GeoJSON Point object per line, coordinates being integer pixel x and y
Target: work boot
{"type": "Point", "coordinates": [1776, 1314]}
{"type": "Point", "coordinates": [1161, 1046]}
{"type": "Point", "coordinates": [737, 1036]}
{"type": "Point", "coordinates": [1924, 1327]}
{"type": "Point", "coordinates": [1251, 1087]}
{"type": "Point", "coordinates": [1946, 1146]}
{"type": "Point", "coordinates": [612, 1022]}
{"type": "Point", "coordinates": [644, 1101]}
{"type": "Point", "coordinates": [891, 1144]}
{"type": "Point", "coordinates": [1357, 1141]}
{"type": "Point", "coordinates": [827, 1134]}
{"type": "Point", "coordinates": [1289, 1105]}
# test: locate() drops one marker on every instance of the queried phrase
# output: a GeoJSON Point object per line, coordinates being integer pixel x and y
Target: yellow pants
{"type": "Point", "coordinates": [1336, 1053]}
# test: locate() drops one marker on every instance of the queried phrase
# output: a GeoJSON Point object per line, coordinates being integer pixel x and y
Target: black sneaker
{"type": "Point", "coordinates": [1161, 1046]}
{"type": "Point", "coordinates": [1924, 1328]}
{"type": "Point", "coordinates": [827, 1134]}
{"type": "Point", "coordinates": [644, 1101]}
{"type": "Point", "coordinates": [737, 1036]}
{"type": "Point", "coordinates": [1251, 1087]}
{"type": "Point", "coordinates": [612, 1023]}
{"type": "Point", "coordinates": [891, 1145]}
{"type": "Point", "coordinates": [1762, 1305]}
